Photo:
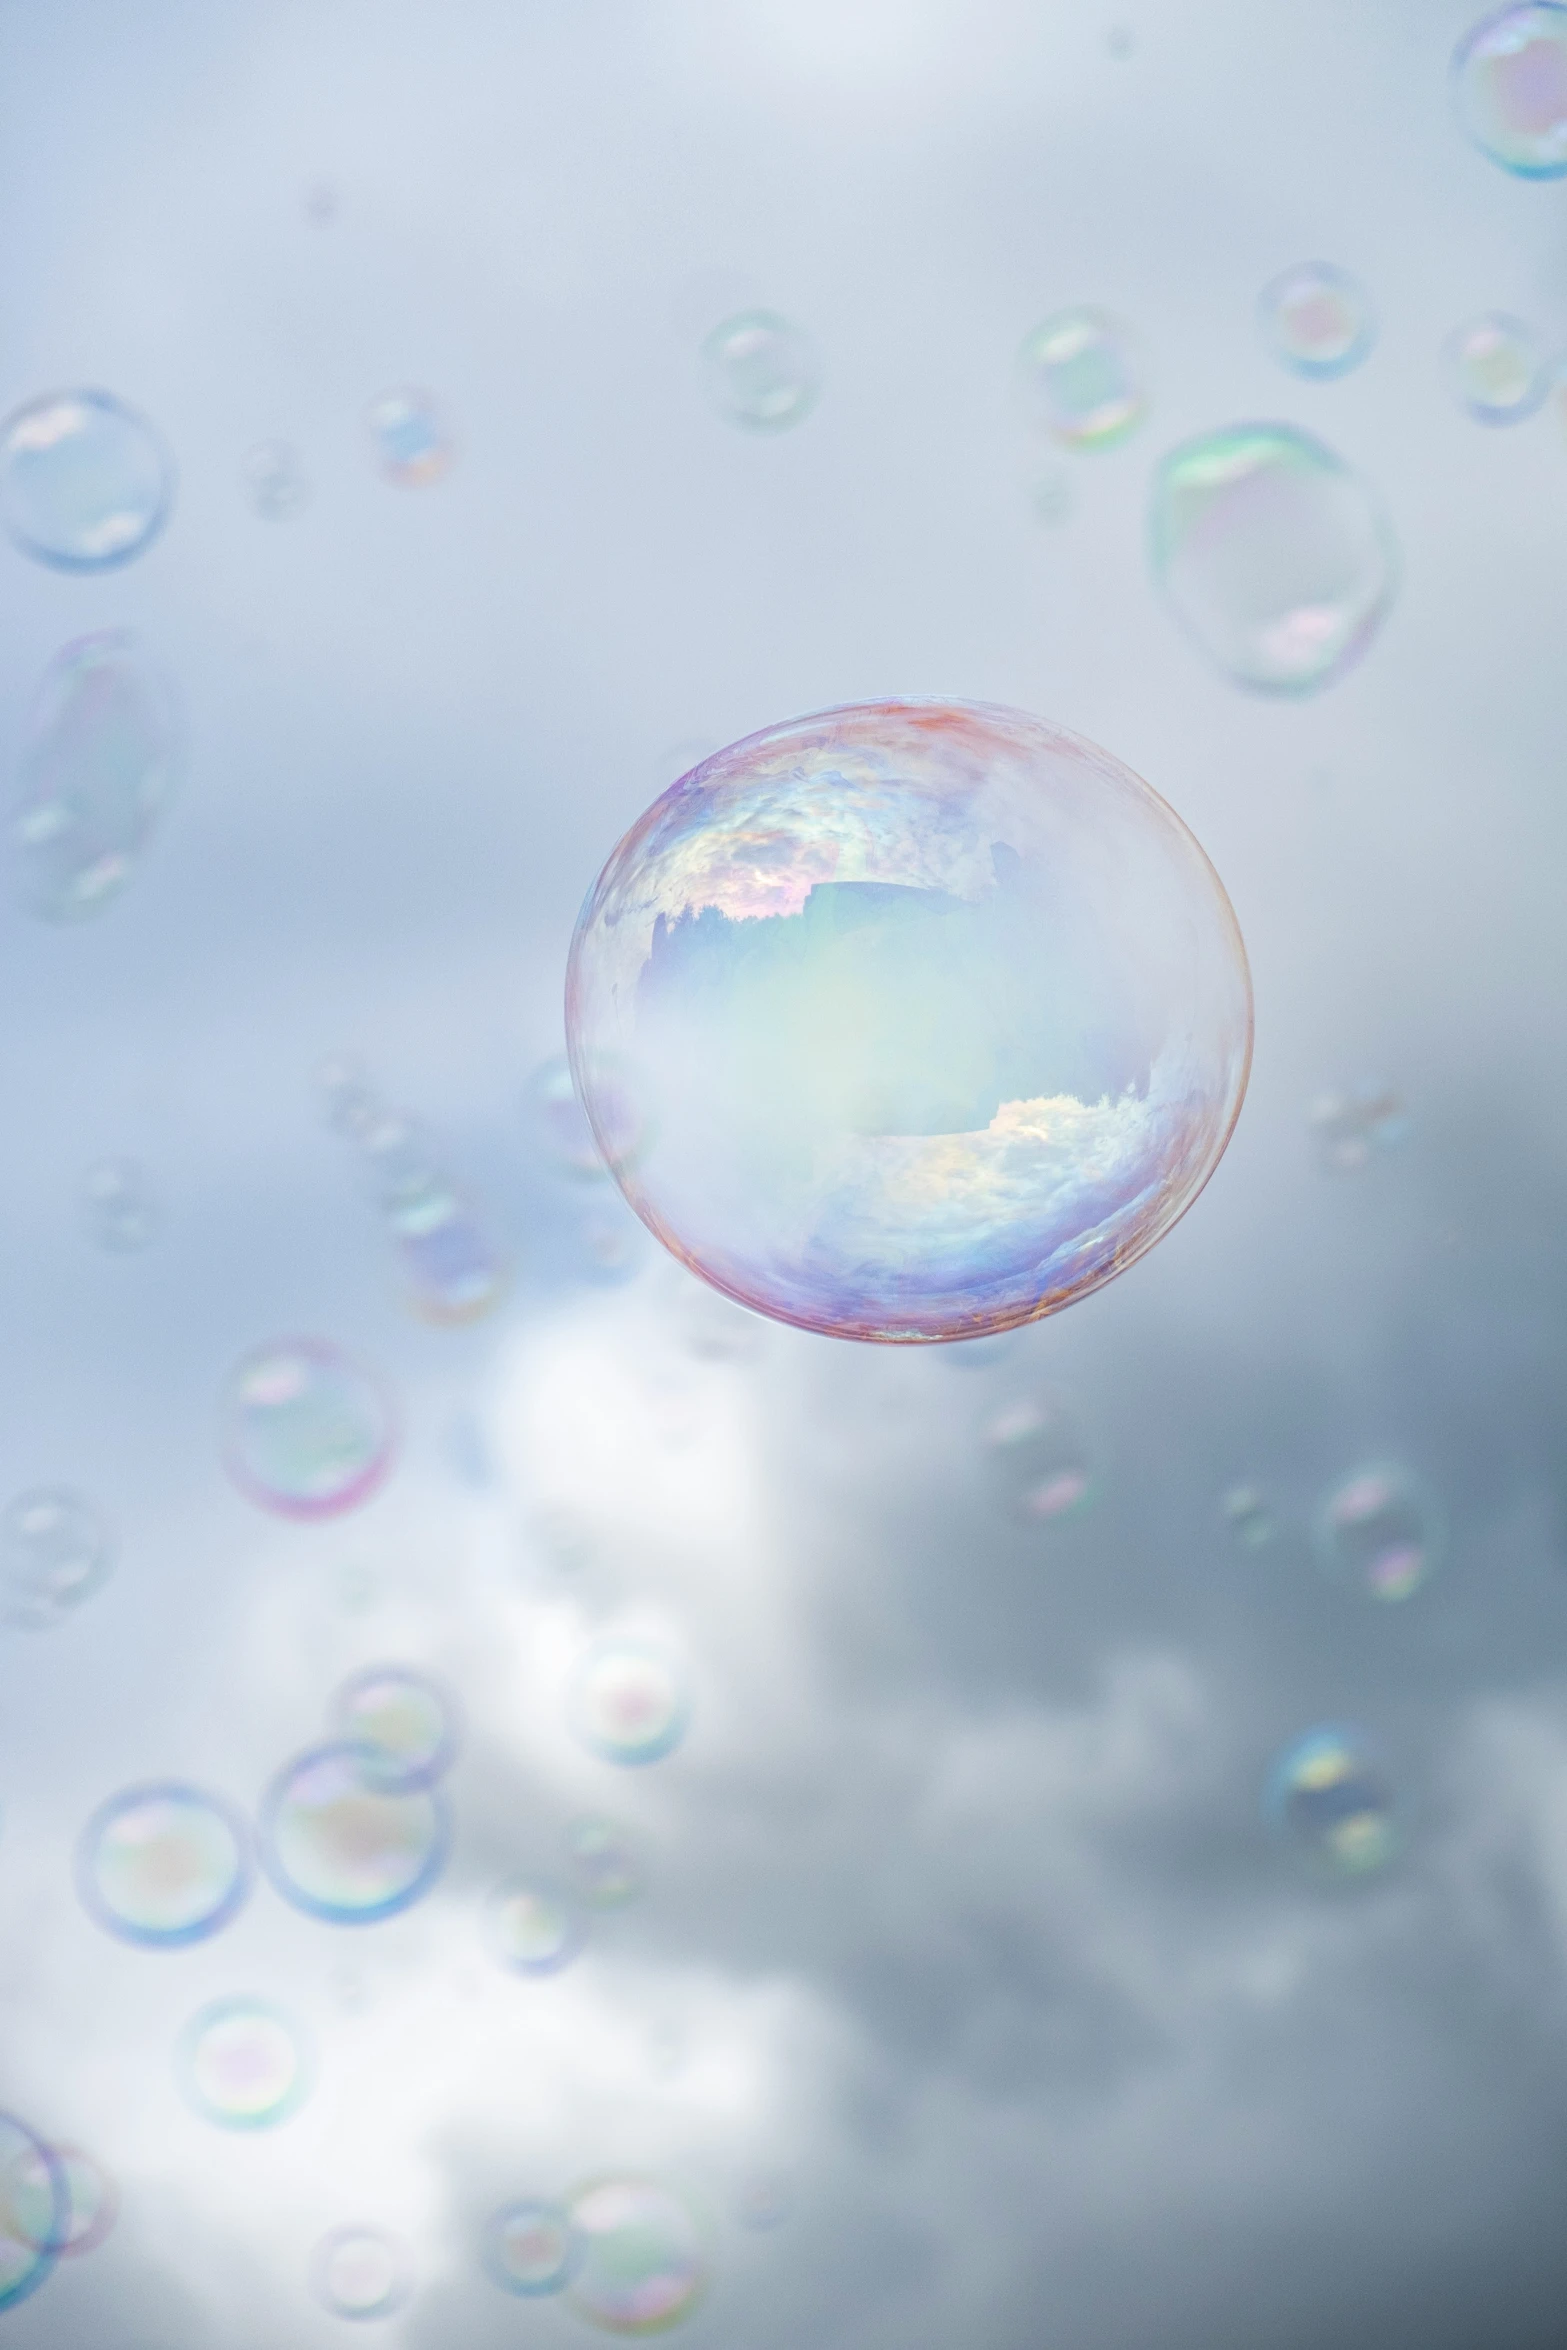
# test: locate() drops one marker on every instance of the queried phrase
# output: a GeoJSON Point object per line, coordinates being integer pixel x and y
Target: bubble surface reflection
{"type": "Point", "coordinates": [85, 482]}
{"type": "Point", "coordinates": [1329, 1798]}
{"type": "Point", "coordinates": [307, 1431]}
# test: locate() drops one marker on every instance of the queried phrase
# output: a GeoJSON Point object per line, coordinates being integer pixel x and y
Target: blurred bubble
{"type": "Point", "coordinates": [561, 1124]}
{"type": "Point", "coordinates": [60, 2200]}
{"type": "Point", "coordinates": [307, 1431]}
{"type": "Point", "coordinates": [1082, 378]}
{"type": "Point", "coordinates": [939, 1015]}
{"type": "Point", "coordinates": [1497, 368]}
{"type": "Point", "coordinates": [1273, 556]}
{"type": "Point", "coordinates": [85, 482]}
{"type": "Point", "coordinates": [33, 2210]}
{"type": "Point", "coordinates": [55, 1552]}
{"type": "Point", "coordinates": [1380, 1532]}
{"type": "Point", "coordinates": [533, 1927]}
{"type": "Point", "coordinates": [341, 1845]}
{"type": "Point", "coordinates": [241, 2065]}
{"type": "Point", "coordinates": [629, 1702]}
{"type": "Point", "coordinates": [101, 764]}
{"type": "Point", "coordinates": [1317, 319]}
{"type": "Point", "coordinates": [765, 2201]}
{"type": "Point", "coordinates": [407, 1723]}
{"type": "Point", "coordinates": [1350, 1128]}
{"type": "Point", "coordinates": [1248, 1513]}
{"type": "Point", "coordinates": [1039, 1460]}
{"type": "Point", "coordinates": [412, 444]}
{"type": "Point", "coordinates": [361, 2272]}
{"type": "Point", "coordinates": [641, 2264]}
{"type": "Point", "coordinates": [529, 2248]}
{"type": "Point", "coordinates": [454, 1272]}
{"type": "Point", "coordinates": [163, 1865]}
{"type": "Point", "coordinates": [1329, 1798]}
{"type": "Point", "coordinates": [275, 481]}
{"type": "Point", "coordinates": [761, 371]}
{"type": "Point", "coordinates": [603, 1862]}
{"type": "Point", "coordinates": [119, 1206]}
{"type": "Point", "coordinates": [1510, 71]}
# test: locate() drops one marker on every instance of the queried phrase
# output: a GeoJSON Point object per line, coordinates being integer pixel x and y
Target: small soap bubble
{"type": "Point", "coordinates": [529, 2248]}
{"type": "Point", "coordinates": [1248, 1514]}
{"type": "Point", "coordinates": [361, 2272]}
{"type": "Point", "coordinates": [561, 1125]}
{"type": "Point", "coordinates": [604, 1864]}
{"type": "Point", "coordinates": [1272, 554]}
{"type": "Point", "coordinates": [85, 482]}
{"type": "Point", "coordinates": [100, 767]}
{"type": "Point", "coordinates": [33, 2210]}
{"type": "Point", "coordinates": [119, 1206]}
{"type": "Point", "coordinates": [1317, 319]}
{"type": "Point", "coordinates": [1497, 368]}
{"type": "Point", "coordinates": [1350, 1128]}
{"type": "Point", "coordinates": [163, 1865]}
{"type": "Point", "coordinates": [1083, 379]}
{"type": "Point", "coordinates": [241, 2064]}
{"type": "Point", "coordinates": [1039, 1460]}
{"type": "Point", "coordinates": [1510, 73]}
{"type": "Point", "coordinates": [406, 1721]}
{"type": "Point", "coordinates": [413, 446]}
{"type": "Point", "coordinates": [64, 2225]}
{"type": "Point", "coordinates": [761, 371]}
{"type": "Point", "coordinates": [629, 1701]}
{"type": "Point", "coordinates": [532, 1926]}
{"type": "Point", "coordinates": [55, 1552]}
{"type": "Point", "coordinates": [275, 481]}
{"type": "Point", "coordinates": [341, 1845]}
{"type": "Point", "coordinates": [454, 1273]}
{"type": "Point", "coordinates": [642, 2264]}
{"type": "Point", "coordinates": [1329, 1798]}
{"type": "Point", "coordinates": [1380, 1532]}
{"type": "Point", "coordinates": [307, 1431]}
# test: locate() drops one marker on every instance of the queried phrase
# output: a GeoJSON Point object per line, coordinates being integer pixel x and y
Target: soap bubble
{"type": "Point", "coordinates": [119, 1206]}
{"type": "Point", "coordinates": [1272, 555]}
{"type": "Point", "coordinates": [1329, 1798]}
{"type": "Point", "coordinates": [641, 2264]}
{"type": "Point", "coordinates": [1496, 367]}
{"type": "Point", "coordinates": [1511, 76]}
{"type": "Point", "coordinates": [1249, 1516]}
{"type": "Point", "coordinates": [1317, 319]}
{"type": "Point", "coordinates": [361, 2272]}
{"type": "Point", "coordinates": [55, 1551]}
{"type": "Point", "coordinates": [1040, 1461]}
{"type": "Point", "coordinates": [1082, 378]}
{"type": "Point", "coordinates": [275, 480]}
{"type": "Point", "coordinates": [163, 1865]}
{"type": "Point", "coordinates": [453, 1271]}
{"type": "Point", "coordinates": [34, 2210]}
{"type": "Point", "coordinates": [101, 764]}
{"type": "Point", "coordinates": [533, 1927]}
{"type": "Point", "coordinates": [936, 1016]}
{"type": "Point", "coordinates": [1380, 1532]}
{"type": "Point", "coordinates": [412, 443]}
{"type": "Point", "coordinates": [603, 1862]}
{"type": "Point", "coordinates": [307, 1431]}
{"type": "Point", "coordinates": [561, 1124]}
{"type": "Point", "coordinates": [529, 2248]}
{"type": "Point", "coordinates": [761, 371]}
{"type": "Point", "coordinates": [404, 1720]}
{"type": "Point", "coordinates": [1350, 1128]}
{"type": "Point", "coordinates": [629, 1701]}
{"type": "Point", "coordinates": [341, 1845]}
{"type": "Point", "coordinates": [241, 2065]}
{"type": "Point", "coordinates": [85, 482]}
{"type": "Point", "coordinates": [58, 2199]}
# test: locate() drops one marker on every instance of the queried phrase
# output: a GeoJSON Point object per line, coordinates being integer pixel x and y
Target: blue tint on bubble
{"type": "Point", "coordinates": [342, 1845]}
{"type": "Point", "coordinates": [34, 2211]}
{"type": "Point", "coordinates": [164, 1864]}
{"type": "Point", "coordinates": [85, 482]}
{"type": "Point", "coordinates": [530, 2248]}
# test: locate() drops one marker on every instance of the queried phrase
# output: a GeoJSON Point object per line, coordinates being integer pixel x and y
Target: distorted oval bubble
{"type": "Point", "coordinates": [761, 371]}
{"type": "Point", "coordinates": [529, 2248]}
{"type": "Point", "coordinates": [55, 1552]}
{"type": "Point", "coordinates": [560, 1123]}
{"type": "Point", "coordinates": [1510, 72]}
{"type": "Point", "coordinates": [1330, 1800]}
{"type": "Point", "coordinates": [119, 1206]}
{"type": "Point", "coordinates": [307, 1431]}
{"type": "Point", "coordinates": [341, 1845]}
{"type": "Point", "coordinates": [1039, 1460]}
{"type": "Point", "coordinates": [163, 1865]}
{"type": "Point", "coordinates": [935, 1018]}
{"type": "Point", "coordinates": [406, 1722]}
{"type": "Point", "coordinates": [1082, 377]}
{"type": "Point", "coordinates": [604, 1862]}
{"type": "Point", "coordinates": [1273, 555]}
{"type": "Point", "coordinates": [361, 2272]}
{"type": "Point", "coordinates": [85, 482]}
{"type": "Point", "coordinates": [275, 480]}
{"type": "Point", "coordinates": [412, 443]}
{"type": "Point", "coordinates": [101, 764]}
{"type": "Point", "coordinates": [34, 2210]}
{"type": "Point", "coordinates": [1317, 319]}
{"type": "Point", "coordinates": [1380, 1532]}
{"type": "Point", "coordinates": [61, 2200]}
{"type": "Point", "coordinates": [1248, 1514]}
{"type": "Point", "coordinates": [532, 1926]}
{"type": "Point", "coordinates": [1497, 368]}
{"type": "Point", "coordinates": [642, 2264]}
{"type": "Point", "coordinates": [242, 2064]}
{"type": "Point", "coordinates": [629, 1702]}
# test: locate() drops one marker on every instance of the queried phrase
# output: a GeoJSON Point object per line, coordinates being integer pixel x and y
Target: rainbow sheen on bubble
{"type": "Point", "coordinates": [85, 482]}
{"type": "Point", "coordinates": [34, 2210]}
{"type": "Point", "coordinates": [1039, 1460]}
{"type": "Point", "coordinates": [1329, 1798]}
{"type": "Point", "coordinates": [1497, 368]}
{"type": "Point", "coordinates": [413, 444]}
{"type": "Point", "coordinates": [629, 1702]}
{"type": "Point", "coordinates": [642, 2263]}
{"type": "Point", "coordinates": [761, 372]}
{"type": "Point", "coordinates": [163, 1865]}
{"type": "Point", "coordinates": [1380, 1532]}
{"type": "Point", "coordinates": [532, 1926]}
{"type": "Point", "coordinates": [604, 1862]}
{"type": "Point", "coordinates": [361, 2272]}
{"type": "Point", "coordinates": [1317, 319]}
{"type": "Point", "coordinates": [406, 1721]}
{"type": "Point", "coordinates": [1510, 75]}
{"type": "Point", "coordinates": [530, 2248]}
{"type": "Point", "coordinates": [100, 767]}
{"type": "Point", "coordinates": [342, 1845]}
{"type": "Point", "coordinates": [936, 1016]}
{"type": "Point", "coordinates": [55, 1552]}
{"type": "Point", "coordinates": [307, 1431]}
{"type": "Point", "coordinates": [119, 1205]}
{"type": "Point", "coordinates": [1273, 555]}
{"type": "Point", "coordinates": [1082, 378]}
{"type": "Point", "coordinates": [58, 2199]}
{"type": "Point", "coordinates": [242, 2064]}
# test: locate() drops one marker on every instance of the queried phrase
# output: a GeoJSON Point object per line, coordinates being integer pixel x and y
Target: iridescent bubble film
{"type": "Point", "coordinates": [163, 1865]}
{"type": "Point", "coordinates": [342, 1845]}
{"type": "Point", "coordinates": [120, 1207]}
{"type": "Point", "coordinates": [629, 1702]}
{"type": "Point", "coordinates": [642, 2264]}
{"type": "Point", "coordinates": [1511, 76]}
{"type": "Point", "coordinates": [1329, 1798]}
{"type": "Point", "coordinates": [85, 482]}
{"type": "Point", "coordinates": [406, 1721]}
{"type": "Point", "coordinates": [529, 2248]}
{"type": "Point", "coordinates": [241, 2064]}
{"type": "Point", "coordinates": [761, 371]}
{"type": "Point", "coordinates": [1497, 368]}
{"type": "Point", "coordinates": [560, 1123]}
{"type": "Point", "coordinates": [307, 1431]}
{"type": "Point", "coordinates": [1273, 555]}
{"type": "Point", "coordinates": [361, 2272]}
{"type": "Point", "coordinates": [55, 1551]}
{"type": "Point", "coordinates": [1038, 1459]}
{"type": "Point", "coordinates": [101, 764]}
{"type": "Point", "coordinates": [1317, 319]}
{"type": "Point", "coordinates": [75, 2221]}
{"type": "Point", "coordinates": [532, 1926]}
{"type": "Point", "coordinates": [34, 2210]}
{"type": "Point", "coordinates": [275, 480]}
{"type": "Point", "coordinates": [1083, 379]}
{"type": "Point", "coordinates": [1380, 1532]}
{"type": "Point", "coordinates": [936, 1017]}
{"type": "Point", "coordinates": [412, 443]}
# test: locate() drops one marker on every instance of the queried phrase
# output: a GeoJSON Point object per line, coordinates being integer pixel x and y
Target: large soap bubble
{"type": "Point", "coordinates": [85, 482]}
{"type": "Point", "coordinates": [1510, 71]}
{"type": "Point", "coordinates": [936, 1018]}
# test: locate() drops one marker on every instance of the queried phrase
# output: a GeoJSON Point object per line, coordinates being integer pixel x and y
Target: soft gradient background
{"type": "Point", "coordinates": [961, 1914]}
